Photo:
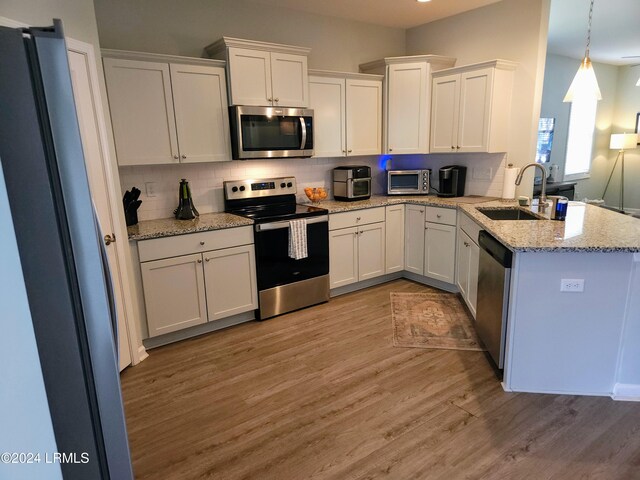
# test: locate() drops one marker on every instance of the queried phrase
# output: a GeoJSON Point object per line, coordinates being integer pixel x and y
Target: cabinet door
{"type": "Point", "coordinates": [445, 102]}
{"type": "Point", "coordinates": [440, 252]}
{"type": "Point", "coordinates": [394, 242]}
{"type": "Point", "coordinates": [475, 110]}
{"type": "Point", "coordinates": [230, 281]}
{"type": "Point", "coordinates": [474, 261]}
{"type": "Point", "coordinates": [289, 80]}
{"type": "Point", "coordinates": [364, 117]}
{"type": "Point", "coordinates": [142, 114]}
{"type": "Point", "coordinates": [174, 293]}
{"type": "Point", "coordinates": [462, 264]}
{"type": "Point", "coordinates": [407, 105]}
{"type": "Point", "coordinates": [414, 239]}
{"type": "Point", "coordinates": [343, 257]}
{"type": "Point", "coordinates": [371, 251]}
{"type": "Point", "coordinates": [202, 116]}
{"type": "Point", "coordinates": [327, 99]}
{"type": "Point", "coordinates": [249, 77]}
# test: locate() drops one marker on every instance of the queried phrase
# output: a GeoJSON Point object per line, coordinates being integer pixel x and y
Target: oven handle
{"type": "Point", "coordinates": [303, 126]}
{"type": "Point", "coordinates": [261, 227]}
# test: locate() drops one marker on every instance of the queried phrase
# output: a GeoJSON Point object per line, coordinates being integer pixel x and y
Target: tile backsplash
{"type": "Point", "coordinates": [206, 179]}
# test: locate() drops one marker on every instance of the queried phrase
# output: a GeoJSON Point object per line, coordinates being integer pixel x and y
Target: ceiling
{"type": "Point", "coordinates": [390, 13]}
{"type": "Point", "coordinates": [615, 31]}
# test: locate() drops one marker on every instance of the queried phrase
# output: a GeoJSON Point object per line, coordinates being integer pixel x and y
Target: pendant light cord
{"type": "Point", "coordinates": [589, 30]}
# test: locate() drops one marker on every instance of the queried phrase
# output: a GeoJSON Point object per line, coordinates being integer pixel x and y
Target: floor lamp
{"type": "Point", "coordinates": [621, 142]}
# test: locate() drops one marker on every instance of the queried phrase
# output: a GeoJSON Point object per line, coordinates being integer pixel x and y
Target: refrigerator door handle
{"type": "Point", "coordinates": [108, 281]}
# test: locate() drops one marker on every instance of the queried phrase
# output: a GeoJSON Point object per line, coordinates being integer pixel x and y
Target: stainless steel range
{"type": "Point", "coordinates": [284, 284]}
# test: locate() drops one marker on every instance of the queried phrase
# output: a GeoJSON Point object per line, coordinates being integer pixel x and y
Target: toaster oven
{"type": "Point", "coordinates": [408, 182]}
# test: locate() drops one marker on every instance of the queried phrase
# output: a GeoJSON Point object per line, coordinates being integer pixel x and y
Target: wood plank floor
{"type": "Point", "coordinates": [323, 394]}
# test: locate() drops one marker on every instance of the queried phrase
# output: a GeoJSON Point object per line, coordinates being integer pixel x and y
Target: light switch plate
{"type": "Point", "coordinates": [482, 173]}
{"type": "Point", "coordinates": [150, 189]}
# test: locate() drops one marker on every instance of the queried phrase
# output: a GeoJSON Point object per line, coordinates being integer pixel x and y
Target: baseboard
{"type": "Point", "coordinates": [198, 330]}
{"type": "Point", "coordinates": [354, 287]}
{"type": "Point", "coordinates": [142, 354]}
{"type": "Point", "coordinates": [447, 287]}
{"type": "Point", "coordinates": [626, 392]}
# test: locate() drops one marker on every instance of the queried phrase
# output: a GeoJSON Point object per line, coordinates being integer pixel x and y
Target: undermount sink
{"type": "Point", "coordinates": [507, 214]}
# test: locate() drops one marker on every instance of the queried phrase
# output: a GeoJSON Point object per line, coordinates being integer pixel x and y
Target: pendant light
{"type": "Point", "coordinates": [584, 84]}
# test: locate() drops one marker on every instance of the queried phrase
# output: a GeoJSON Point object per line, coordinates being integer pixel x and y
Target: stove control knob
{"type": "Point", "coordinates": [282, 185]}
{"type": "Point", "coordinates": [242, 189]}
{"type": "Point", "coordinates": [234, 189]}
{"type": "Point", "coordinates": [289, 184]}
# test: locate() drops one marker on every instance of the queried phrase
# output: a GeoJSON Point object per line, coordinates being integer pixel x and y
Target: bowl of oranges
{"type": "Point", "coordinates": [316, 194]}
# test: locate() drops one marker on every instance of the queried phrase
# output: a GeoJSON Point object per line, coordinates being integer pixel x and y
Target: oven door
{"type": "Point", "coordinates": [273, 264]}
{"type": "Point", "coordinates": [403, 182]}
{"type": "Point", "coordinates": [358, 187]}
{"type": "Point", "coordinates": [270, 132]}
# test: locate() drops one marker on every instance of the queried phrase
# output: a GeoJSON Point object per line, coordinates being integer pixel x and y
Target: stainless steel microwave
{"type": "Point", "coordinates": [271, 132]}
{"type": "Point", "coordinates": [408, 182]}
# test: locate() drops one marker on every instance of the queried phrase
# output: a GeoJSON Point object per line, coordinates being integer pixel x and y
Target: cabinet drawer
{"type": "Point", "coordinates": [469, 227]}
{"type": "Point", "coordinates": [166, 247]}
{"type": "Point", "coordinates": [446, 216]}
{"type": "Point", "coordinates": [356, 218]}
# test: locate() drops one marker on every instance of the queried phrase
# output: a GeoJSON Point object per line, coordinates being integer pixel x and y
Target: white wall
{"type": "Point", "coordinates": [559, 73]}
{"type": "Point", "coordinates": [24, 410]}
{"type": "Point", "coordinates": [513, 30]}
{"type": "Point", "coordinates": [185, 28]}
{"type": "Point", "coordinates": [629, 369]}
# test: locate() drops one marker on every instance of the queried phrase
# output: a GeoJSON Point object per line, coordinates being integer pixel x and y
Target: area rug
{"type": "Point", "coordinates": [432, 320]}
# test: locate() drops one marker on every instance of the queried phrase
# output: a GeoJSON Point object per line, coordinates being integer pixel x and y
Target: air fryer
{"type": "Point", "coordinates": [452, 179]}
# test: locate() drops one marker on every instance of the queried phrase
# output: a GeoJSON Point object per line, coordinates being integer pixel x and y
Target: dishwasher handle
{"type": "Point", "coordinates": [493, 247]}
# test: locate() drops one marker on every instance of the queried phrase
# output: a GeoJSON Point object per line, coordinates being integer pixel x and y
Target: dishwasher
{"type": "Point", "coordinates": [494, 277]}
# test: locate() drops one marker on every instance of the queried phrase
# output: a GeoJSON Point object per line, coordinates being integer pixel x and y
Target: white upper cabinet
{"type": "Point", "coordinates": [471, 107]}
{"type": "Point", "coordinates": [327, 99]}
{"type": "Point", "coordinates": [347, 113]}
{"type": "Point", "coordinates": [141, 105]}
{"type": "Point", "coordinates": [264, 74]}
{"type": "Point", "coordinates": [202, 117]}
{"type": "Point", "coordinates": [167, 112]}
{"type": "Point", "coordinates": [407, 96]}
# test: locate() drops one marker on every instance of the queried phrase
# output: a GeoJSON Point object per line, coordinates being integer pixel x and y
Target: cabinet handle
{"type": "Point", "coordinates": [466, 244]}
{"type": "Point", "coordinates": [207, 259]}
{"type": "Point", "coordinates": [349, 151]}
{"type": "Point", "coordinates": [201, 243]}
{"type": "Point", "coordinates": [276, 100]}
{"type": "Point", "coordinates": [109, 239]}
{"type": "Point", "coordinates": [361, 232]}
{"type": "Point", "coordinates": [391, 149]}
{"type": "Point", "coordinates": [358, 219]}
{"type": "Point", "coordinates": [269, 99]}
{"type": "Point", "coordinates": [199, 260]}
{"type": "Point", "coordinates": [458, 147]}
{"type": "Point", "coordinates": [175, 157]}
{"type": "Point", "coordinates": [184, 156]}
{"type": "Point", "coordinates": [344, 151]}
{"type": "Point", "coordinates": [438, 215]}
{"type": "Point", "coordinates": [452, 147]}
{"type": "Point", "coordinates": [421, 211]}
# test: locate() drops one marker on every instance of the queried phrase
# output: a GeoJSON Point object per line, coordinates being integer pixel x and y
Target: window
{"type": "Point", "coordinates": [582, 122]}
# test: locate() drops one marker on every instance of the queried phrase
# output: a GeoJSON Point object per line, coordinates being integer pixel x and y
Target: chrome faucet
{"type": "Point", "coordinates": [542, 202]}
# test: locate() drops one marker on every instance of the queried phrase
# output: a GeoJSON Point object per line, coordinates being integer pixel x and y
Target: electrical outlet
{"type": "Point", "coordinates": [482, 173]}
{"type": "Point", "coordinates": [150, 189]}
{"type": "Point", "coordinates": [572, 285]}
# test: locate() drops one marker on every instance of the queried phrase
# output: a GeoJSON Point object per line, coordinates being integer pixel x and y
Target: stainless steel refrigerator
{"type": "Point", "coordinates": [62, 254]}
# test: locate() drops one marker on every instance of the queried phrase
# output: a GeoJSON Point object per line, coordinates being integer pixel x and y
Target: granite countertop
{"type": "Point", "coordinates": [166, 227]}
{"type": "Point", "coordinates": [587, 228]}
{"type": "Point", "coordinates": [382, 201]}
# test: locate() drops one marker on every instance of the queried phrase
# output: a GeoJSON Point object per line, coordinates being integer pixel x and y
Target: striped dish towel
{"type": "Point", "coordinates": [298, 239]}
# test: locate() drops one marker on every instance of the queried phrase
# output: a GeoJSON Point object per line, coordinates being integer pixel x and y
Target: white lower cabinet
{"type": "Point", "coordinates": [394, 217]}
{"type": "Point", "coordinates": [414, 239]}
{"type": "Point", "coordinates": [440, 252]}
{"type": "Point", "coordinates": [468, 257]}
{"type": "Point", "coordinates": [356, 254]}
{"type": "Point", "coordinates": [186, 290]}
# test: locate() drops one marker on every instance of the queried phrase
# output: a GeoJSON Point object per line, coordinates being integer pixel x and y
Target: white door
{"type": "Point", "coordinates": [474, 260]}
{"type": "Point", "coordinates": [475, 110]}
{"type": "Point", "coordinates": [98, 174]}
{"type": "Point", "coordinates": [289, 80]}
{"type": "Point", "coordinates": [371, 251]}
{"type": "Point", "coordinates": [343, 257]}
{"type": "Point", "coordinates": [174, 293]}
{"type": "Point", "coordinates": [394, 243]}
{"type": "Point", "coordinates": [407, 117]}
{"type": "Point", "coordinates": [414, 239]}
{"type": "Point", "coordinates": [327, 99]}
{"type": "Point", "coordinates": [462, 264]}
{"type": "Point", "coordinates": [364, 117]}
{"type": "Point", "coordinates": [445, 102]}
{"type": "Point", "coordinates": [142, 114]}
{"type": "Point", "coordinates": [249, 77]}
{"type": "Point", "coordinates": [230, 281]}
{"type": "Point", "coordinates": [202, 116]}
{"type": "Point", "coordinates": [440, 252]}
